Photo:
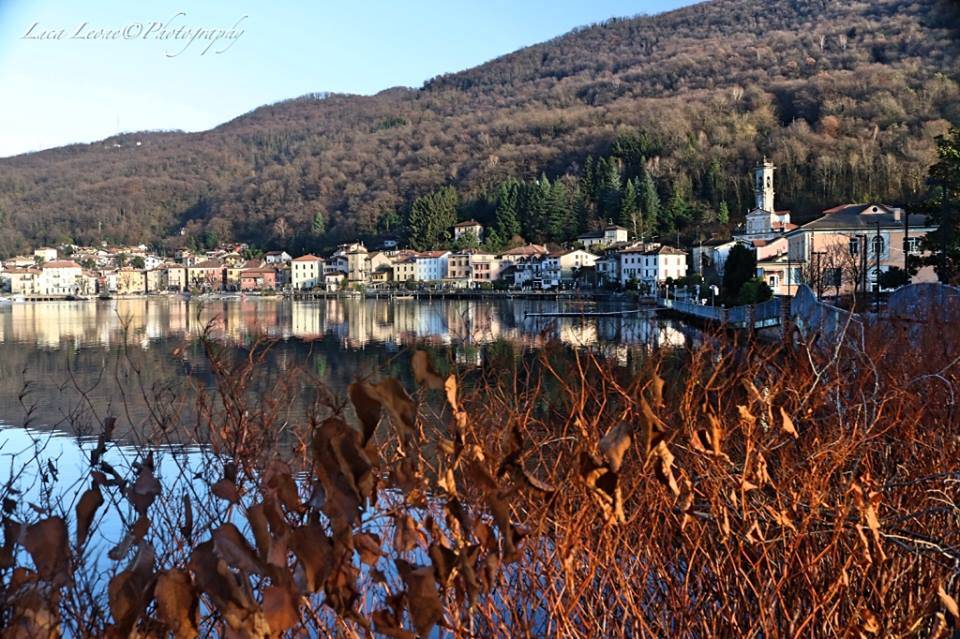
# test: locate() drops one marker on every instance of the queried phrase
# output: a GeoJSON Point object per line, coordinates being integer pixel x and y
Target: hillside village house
{"type": "Point", "coordinates": [652, 266]}
{"type": "Point", "coordinates": [468, 227]}
{"type": "Point", "coordinates": [306, 272]}
{"type": "Point", "coordinates": [277, 257]}
{"type": "Point", "coordinates": [45, 254]}
{"type": "Point", "coordinates": [207, 275]}
{"type": "Point", "coordinates": [351, 260]}
{"type": "Point", "coordinates": [405, 270]}
{"type": "Point", "coordinates": [772, 264]}
{"type": "Point", "coordinates": [711, 256]}
{"type": "Point", "coordinates": [608, 267]}
{"type": "Point", "coordinates": [131, 281]}
{"type": "Point", "coordinates": [63, 277]}
{"type": "Point", "coordinates": [176, 277]}
{"type": "Point", "coordinates": [432, 265]}
{"type": "Point", "coordinates": [607, 236]}
{"type": "Point", "coordinates": [468, 269]}
{"type": "Point", "coordinates": [21, 281]}
{"type": "Point", "coordinates": [836, 246]}
{"type": "Point", "coordinates": [561, 267]}
{"type": "Point", "coordinates": [523, 253]}
{"type": "Point", "coordinates": [258, 279]}
{"type": "Point", "coordinates": [156, 280]}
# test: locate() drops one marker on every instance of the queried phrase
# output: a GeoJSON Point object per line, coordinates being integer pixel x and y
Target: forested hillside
{"type": "Point", "coordinates": [653, 121]}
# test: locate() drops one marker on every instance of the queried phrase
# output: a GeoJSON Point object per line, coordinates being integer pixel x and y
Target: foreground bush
{"type": "Point", "coordinates": [734, 490]}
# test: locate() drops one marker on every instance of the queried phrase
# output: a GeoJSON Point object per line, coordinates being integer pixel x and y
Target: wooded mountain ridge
{"type": "Point", "coordinates": [845, 97]}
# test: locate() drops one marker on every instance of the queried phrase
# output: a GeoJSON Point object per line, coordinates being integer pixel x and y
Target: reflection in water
{"type": "Point", "coordinates": [67, 364]}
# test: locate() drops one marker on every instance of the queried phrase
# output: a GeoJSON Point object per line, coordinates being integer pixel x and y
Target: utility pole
{"type": "Point", "coordinates": [819, 275]}
{"type": "Point", "coordinates": [906, 241]}
{"type": "Point", "coordinates": [862, 244]}
{"type": "Point", "coordinates": [877, 248]}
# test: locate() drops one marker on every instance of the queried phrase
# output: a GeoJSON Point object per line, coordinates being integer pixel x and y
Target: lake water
{"type": "Point", "coordinates": [65, 365]}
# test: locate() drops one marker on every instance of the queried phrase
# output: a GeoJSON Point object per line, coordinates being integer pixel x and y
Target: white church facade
{"type": "Point", "coordinates": [764, 222]}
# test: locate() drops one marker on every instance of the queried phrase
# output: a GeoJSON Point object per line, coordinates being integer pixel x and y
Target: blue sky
{"type": "Point", "coordinates": [57, 90]}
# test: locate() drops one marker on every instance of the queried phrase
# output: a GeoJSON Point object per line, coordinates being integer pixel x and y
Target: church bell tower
{"type": "Point", "coordinates": [763, 187]}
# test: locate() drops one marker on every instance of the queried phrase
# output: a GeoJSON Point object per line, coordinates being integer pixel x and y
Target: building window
{"type": "Point", "coordinates": [854, 246]}
{"type": "Point", "coordinates": [877, 245]}
{"type": "Point", "coordinates": [911, 245]}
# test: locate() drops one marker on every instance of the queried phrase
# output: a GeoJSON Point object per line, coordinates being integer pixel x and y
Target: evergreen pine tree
{"type": "Point", "coordinates": [649, 202]}
{"type": "Point", "coordinates": [508, 209]}
{"type": "Point", "coordinates": [608, 187]}
{"type": "Point", "coordinates": [943, 207]}
{"type": "Point", "coordinates": [319, 225]}
{"type": "Point", "coordinates": [560, 224]}
{"type": "Point", "coordinates": [723, 214]}
{"type": "Point", "coordinates": [431, 218]}
{"type": "Point", "coordinates": [674, 214]}
{"type": "Point", "coordinates": [581, 212]}
{"type": "Point", "coordinates": [630, 208]}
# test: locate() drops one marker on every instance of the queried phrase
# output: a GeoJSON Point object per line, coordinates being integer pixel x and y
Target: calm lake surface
{"type": "Point", "coordinates": [65, 365]}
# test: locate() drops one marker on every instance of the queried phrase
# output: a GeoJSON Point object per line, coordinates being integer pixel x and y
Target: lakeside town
{"type": "Point", "coordinates": [851, 248]}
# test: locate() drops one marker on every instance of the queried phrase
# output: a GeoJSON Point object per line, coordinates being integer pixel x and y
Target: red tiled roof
{"type": "Point", "coordinates": [60, 264]}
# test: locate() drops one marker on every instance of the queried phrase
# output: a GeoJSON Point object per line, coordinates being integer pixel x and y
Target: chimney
{"type": "Point", "coordinates": [897, 214]}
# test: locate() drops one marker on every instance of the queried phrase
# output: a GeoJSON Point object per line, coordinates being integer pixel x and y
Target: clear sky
{"type": "Point", "coordinates": [81, 71]}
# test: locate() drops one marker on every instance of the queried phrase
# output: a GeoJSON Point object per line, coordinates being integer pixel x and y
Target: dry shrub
{"type": "Point", "coordinates": [736, 489]}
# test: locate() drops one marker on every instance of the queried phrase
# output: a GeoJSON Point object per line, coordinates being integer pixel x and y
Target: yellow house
{"type": "Point", "coordinates": [156, 280]}
{"type": "Point", "coordinates": [176, 277]}
{"type": "Point", "coordinates": [131, 281]}
{"type": "Point", "coordinates": [21, 281]}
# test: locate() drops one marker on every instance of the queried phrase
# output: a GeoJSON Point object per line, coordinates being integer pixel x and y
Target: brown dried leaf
{"type": "Point", "coordinates": [86, 508]}
{"type": "Point", "coordinates": [367, 405]}
{"type": "Point", "coordinates": [47, 543]}
{"type": "Point", "coordinates": [788, 426]}
{"type": "Point", "coordinates": [130, 592]}
{"type": "Point", "coordinates": [656, 390]}
{"type": "Point", "coordinates": [315, 552]}
{"type": "Point", "coordinates": [368, 547]}
{"type": "Point", "coordinates": [279, 479]}
{"type": "Point", "coordinates": [260, 529]}
{"type": "Point", "coordinates": [423, 599]}
{"type": "Point", "coordinates": [423, 371]}
{"type": "Point", "coordinates": [400, 407]}
{"type": "Point", "coordinates": [280, 609]}
{"type": "Point", "coordinates": [444, 562]}
{"type": "Point", "coordinates": [144, 490]}
{"type": "Point", "coordinates": [389, 626]}
{"type": "Point", "coordinates": [406, 535]}
{"type": "Point", "coordinates": [948, 602]}
{"type": "Point", "coordinates": [870, 622]}
{"type": "Point", "coordinates": [604, 487]}
{"type": "Point", "coordinates": [536, 483]}
{"type": "Point", "coordinates": [226, 490]}
{"type": "Point", "coordinates": [227, 591]}
{"type": "Point", "coordinates": [615, 443]}
{"type": "Point", "coordinates": [234, 549]}
{"type": "Point", "coordinates": [663, 467]}
{"type": "Point", "coordinates": [187, 528]}
{"type": "Point", "coordinates": [177, 603]}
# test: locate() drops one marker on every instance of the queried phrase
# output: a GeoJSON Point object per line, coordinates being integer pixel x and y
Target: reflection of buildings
{"type": "Point", "coordinates": [354, 323]}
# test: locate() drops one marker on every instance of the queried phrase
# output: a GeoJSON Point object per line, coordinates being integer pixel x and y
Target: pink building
{"type": "Point", "coordinates": [258, 279]}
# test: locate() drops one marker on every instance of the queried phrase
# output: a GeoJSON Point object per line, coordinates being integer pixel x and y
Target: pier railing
{"type": "Point", "coordinates": [753, 316]}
